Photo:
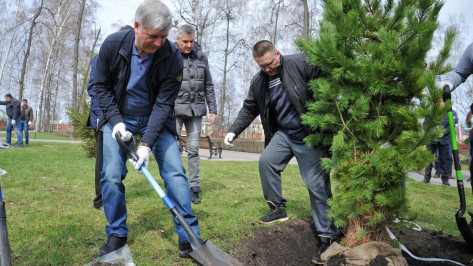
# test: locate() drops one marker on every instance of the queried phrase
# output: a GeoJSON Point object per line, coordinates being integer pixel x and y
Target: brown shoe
{"type": "Point", "coordinates": [451, 177]}
{"type": "Point", "coordinates": [437, 176]}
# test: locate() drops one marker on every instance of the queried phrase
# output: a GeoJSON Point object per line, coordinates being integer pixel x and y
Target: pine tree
{"type": "Point", "coordinates": [368, 107]}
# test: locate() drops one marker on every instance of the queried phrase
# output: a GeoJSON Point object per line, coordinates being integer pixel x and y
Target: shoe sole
{"type": "Point", "coordinates": [183, 254]}
{"type": "Point", "coordinates": [318, 263]}
{"type": "Point", "coordinates": [277, 220]}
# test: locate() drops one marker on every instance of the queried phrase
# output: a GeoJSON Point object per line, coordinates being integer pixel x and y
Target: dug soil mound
{"type": "Point", "coordinates": [293, 243]}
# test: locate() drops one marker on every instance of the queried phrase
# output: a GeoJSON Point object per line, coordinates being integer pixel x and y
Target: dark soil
{"type": "Point", "coordinates": [294, 243]}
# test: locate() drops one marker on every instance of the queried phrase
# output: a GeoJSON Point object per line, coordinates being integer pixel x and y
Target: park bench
{"type": "Point", "coordinates": [213, 149]}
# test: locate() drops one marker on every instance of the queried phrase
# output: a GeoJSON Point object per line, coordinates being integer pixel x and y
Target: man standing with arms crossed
{"type": "Point", "coordinates": [278, 93]}
{"type": "Point", "coordinates": [138, 77]}
{"type": "Point", "coordinates": [196, 90]}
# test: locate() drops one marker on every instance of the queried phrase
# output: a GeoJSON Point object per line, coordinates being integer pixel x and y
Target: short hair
{"type": "Point", "coordinates": [8, 95]}
{"type": "Point", "coordinates": [25, 100]}
{"type": "Point", "coordinates": [126, 27]}
{"type": "Point", "coordinates": [262, 47]}
{"type": "Point", "coordinates": [154, 14]}
{"type": "Point", "coordinates": [187, 29]}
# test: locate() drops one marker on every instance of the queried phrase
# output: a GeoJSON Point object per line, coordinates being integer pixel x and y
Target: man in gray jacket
{"type": "Point", "coordinates": [196, 91]}
{"type": "Point", "coordinates": [278, 93]}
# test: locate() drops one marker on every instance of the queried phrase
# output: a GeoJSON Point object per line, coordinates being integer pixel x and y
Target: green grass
{"type": "Point", "coordinates": [49, 190]}
{"type": "Point", "coordinates": [39, 135]}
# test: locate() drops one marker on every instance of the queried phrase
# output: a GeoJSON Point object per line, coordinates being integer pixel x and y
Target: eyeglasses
{"type": "Point", "coordinates": [268, 65]}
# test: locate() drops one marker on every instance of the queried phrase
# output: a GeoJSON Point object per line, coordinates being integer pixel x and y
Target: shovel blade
{"type": "Point", "coordinates": [207, 254]}
{"type": "Point", "coordinates": [465, 229]}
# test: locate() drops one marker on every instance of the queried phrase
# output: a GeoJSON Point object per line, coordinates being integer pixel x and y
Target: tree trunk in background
{"type": "Point", "coordinates": [305, 26]}
{"type": "Point", "coordinates": [28, 48]}
{"type": "Point", "coordinates": [75, 100]}
{"type": "Point", "coordinates": [12, 39]}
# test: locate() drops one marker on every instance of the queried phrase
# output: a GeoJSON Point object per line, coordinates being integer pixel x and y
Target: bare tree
{"type": "Point", "coordinates": [11, 40]}
{"type": "Point", "coordinates": [75, 102]}
{"type": "Point", "coordinates": [28, 47]}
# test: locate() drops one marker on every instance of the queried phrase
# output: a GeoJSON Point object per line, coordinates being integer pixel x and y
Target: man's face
{"type": "Point", "coordinates": [7, 99]}
{"type": "Point", "coordinates": [148, 41]}
{"type": "Point", "coordinates": [25, 104]}
{"type": "Point", "coordinates": [185, 43]}
{"type": "Point", "coordinates": [269, 62]}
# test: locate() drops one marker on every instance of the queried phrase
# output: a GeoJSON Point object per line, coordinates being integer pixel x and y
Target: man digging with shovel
{"type": "Point", "coordinates": [138, 77]}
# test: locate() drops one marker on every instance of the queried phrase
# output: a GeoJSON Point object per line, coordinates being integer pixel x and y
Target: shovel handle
{"type": "Point", "coordinates": [130, 150]}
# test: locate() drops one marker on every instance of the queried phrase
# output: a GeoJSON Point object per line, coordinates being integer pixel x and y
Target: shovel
{"type": "Point", "coordinates": [204, 252]}
{"type": "Point", "coordinates": [466, 229]}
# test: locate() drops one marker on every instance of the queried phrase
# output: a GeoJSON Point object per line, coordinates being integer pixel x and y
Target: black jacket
{"type": "Point", "coordinates": [197, 87]}
{"type": "Point", "coordinates": [295, 73]}
{"type": "Point", "coordinates": [13, 108]}
{"type": "Point", "coordinates": [113, 74]}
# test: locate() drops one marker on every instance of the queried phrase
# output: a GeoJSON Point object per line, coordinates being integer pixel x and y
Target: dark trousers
{"type": "Point", "coordinates": [98, 168]}
{"type": "Point", "coordinates": [470, 136]}
{"type": "Point", "coordinates": [443, 160]}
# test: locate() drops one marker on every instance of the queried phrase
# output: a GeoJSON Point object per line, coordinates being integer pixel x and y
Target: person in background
{"type": "Point", "coordinates": [14, 116]}
{"type": "Point", "coordinates": [138, 76]}
{"type": "Point", "coordinates": [26, 118]}
{"type": "Point", "coordinates": [197, 91]}
{"type": "Point", "coordinates": [469, 129]}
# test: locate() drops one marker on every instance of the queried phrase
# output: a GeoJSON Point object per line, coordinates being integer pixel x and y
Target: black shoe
{"type": "Point", "coordinates": [114, 242]}
{"type": "Point", "coordinates": [446, 183]}
{"type": "Point", "coordinates": [468, 180]}
{"type": "Point", "coordinates": [184, 249]}
{"type": "Point", "coordinates": [98, 207]}
{"type": "Point", "coordinates": [426, 180]}
{"type": "Point", "coordinates": [326, 241]}
{"type": "Point", "coordinates": [274, 214]}
{"type": "Point", "coordinates": [195, 197]}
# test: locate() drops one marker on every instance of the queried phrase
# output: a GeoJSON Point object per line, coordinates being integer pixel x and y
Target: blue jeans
{"type": "Point", "coordinates": [24, 127]}
{"type": "Point", "coordinates": [18, 132]}
{"type": "Point", "coordinates": [166, 153]}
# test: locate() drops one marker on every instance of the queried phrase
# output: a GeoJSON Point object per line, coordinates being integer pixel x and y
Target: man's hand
{"type": "Point", "coordinates": [229, 139]}
{"type": "Point", "coordinates": [120, 127]}
{"type": "Point", "coordinates": [29, 123]}
{"type": "Point", "coordinates": [212, 118]}
{"type": "Point", "coordinates": [143, 154]}
{"type": "Point", "coordinates": [13, 122]}
{"type": "Point", "coordinates": [442, 84]}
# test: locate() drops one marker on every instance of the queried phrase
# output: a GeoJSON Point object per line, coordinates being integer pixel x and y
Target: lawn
{"type": "Point", "coordinates": [49, 190]}
{"type": "Point", "coordinates": [38, 135]}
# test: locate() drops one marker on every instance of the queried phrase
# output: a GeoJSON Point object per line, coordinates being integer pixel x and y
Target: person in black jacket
{"type": "Point", "coordinates": [196, 90]}
{"type": "Point", "coordinates": [278, 93]}
{"type": "Point", "coordinates": [13, 107]}
{"type": "Point", "coordinates": [138, 77]}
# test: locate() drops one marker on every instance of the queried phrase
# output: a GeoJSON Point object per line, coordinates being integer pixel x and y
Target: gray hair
{"type": "Point", "coordinates": [154, 14]}
{"type": "Point", "coordinates": [187, 29]}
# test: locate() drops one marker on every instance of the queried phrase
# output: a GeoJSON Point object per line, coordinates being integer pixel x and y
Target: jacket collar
{"type": "Point", "coordinates": [128, 42]}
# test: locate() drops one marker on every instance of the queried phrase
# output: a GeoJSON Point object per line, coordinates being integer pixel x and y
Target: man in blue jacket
{"type": "Point", "coordinates": [138, 77]}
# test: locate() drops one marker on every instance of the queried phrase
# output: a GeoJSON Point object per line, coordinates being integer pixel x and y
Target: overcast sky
{"type": "Point", "coordinates": [115, 13]}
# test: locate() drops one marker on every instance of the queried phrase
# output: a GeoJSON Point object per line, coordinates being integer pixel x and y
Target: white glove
{"type": "Point", "coordinates": [120, 127]}
{"type": "Point", "coordinates": [143, 155]}
{"type": "Point", "coordinates": [29, 123]}
{"type": "Point", "coordinates": [442, 84]}
{"type": "Point", "coordinates": [229, 139]}
{"type": "Point", "coordinates": [13, 122]}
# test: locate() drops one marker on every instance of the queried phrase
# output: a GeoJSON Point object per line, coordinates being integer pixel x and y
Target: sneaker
{"type": "Point", "coordinates": [274, 214]}
{"type": "Point", "coordinates": [113, 243]}
{"type": "Point", "coordinates": [437, 176]}
{"type": "Point", "coordinates": [195, 197]}
{"type": "Point", "coordinates": [184, 249]}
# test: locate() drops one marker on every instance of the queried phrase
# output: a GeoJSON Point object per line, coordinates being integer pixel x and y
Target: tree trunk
{"type": "Point", "coordinates": [28, 48]}
{"type": "Point", "coordinates": [12, 39]}
{"type": "Point", "coordinates": [224, 80]}
{"type": "Point", "coordinates": [305, 27]}
{"type": "Point", "coordinates": [75, 102]}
